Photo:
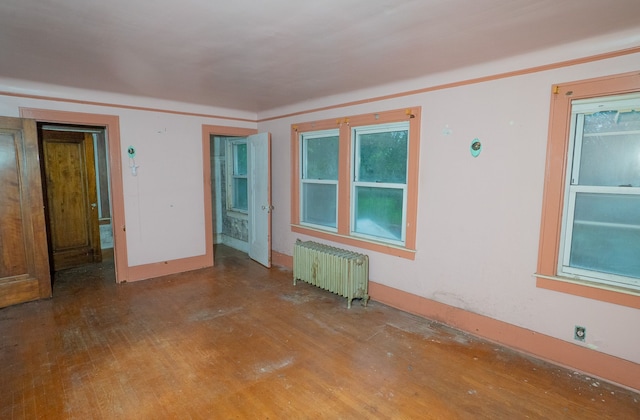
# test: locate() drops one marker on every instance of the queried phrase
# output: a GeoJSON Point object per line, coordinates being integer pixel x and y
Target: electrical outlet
{"type": "Point", "coordinates": [580, 333]}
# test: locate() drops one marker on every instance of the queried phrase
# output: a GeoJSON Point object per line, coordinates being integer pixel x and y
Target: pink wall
{"type": "Point", "coordinates": [164, 204]}
{"type": "Point", "coordinates": [478, 218]}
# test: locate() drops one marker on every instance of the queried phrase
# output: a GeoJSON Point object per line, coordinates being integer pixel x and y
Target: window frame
{"type": "Point", "coordinates": [558, 152]}
{"type": "Point", "coordinates": [579, 109]}
{"type": "Point", "coordinates": [355, 182]}
{"type": "Point", "coordinates": [343, 232]}
{"type": "Point", "coordinates": [232, 145]}
{"type": "Point", "coordinates": [304, 179]}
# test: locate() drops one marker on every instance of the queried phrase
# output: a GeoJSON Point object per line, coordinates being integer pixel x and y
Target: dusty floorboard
{"type": "Point", "coordinates": [240, 341]}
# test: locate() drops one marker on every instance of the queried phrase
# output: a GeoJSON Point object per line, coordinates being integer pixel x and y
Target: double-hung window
{"type": "Point", "coordinates": [600, 239]}
{"type": "Point", "coordinates": [355, 180]}
{"type": "Point", "coordinates": [379, 183]}
{"type": "Point", "coordinates": [319, 179]}
{"type": "Point", "coordinates": [237, 175]}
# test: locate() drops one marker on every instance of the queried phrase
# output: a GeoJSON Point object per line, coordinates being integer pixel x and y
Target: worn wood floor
{"type": "Point", "coordinates": [240, 341]}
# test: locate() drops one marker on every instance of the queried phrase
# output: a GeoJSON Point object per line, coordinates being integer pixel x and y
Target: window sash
{"type": "Point", "coordinates": [304, 150]}
{"type": "Point", "coordinates": [305, 180]}
{"type": "Point", "coordinates": [574, 189]}
{"type": "Point", "coordinates": [235, 174]}
{"type": "Point", "coordinates": [384, 234]}
{"type": "Point", "coordinates": [237, 171]}
{"type": "Point", "coordinates": [306, 219]}
{"type": "Point", "coordinates": [354, 214]}
{"type": "Point", "coordinates": [565, 267]}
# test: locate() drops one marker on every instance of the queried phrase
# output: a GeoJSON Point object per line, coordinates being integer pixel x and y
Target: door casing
{"type": "Point", "coordinates": [207, 132]}
{"type": "Point", "coordinates": [111, 123]}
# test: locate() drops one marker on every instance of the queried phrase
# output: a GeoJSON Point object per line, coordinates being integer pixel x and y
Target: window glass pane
{"type": "Point", "coordinates": [383, 157]}
{"type": "Point", "coordinates": [379, 212]}
{"type": "Point", "coordinates": [606, 234]}
{"type": "Point", "coordinates": [240, 161]}
{"type": "Point", "coordinates": [319, 204]}
{"type": "Point", "coordinates": [240, 196]}
{"type": "Point", "coordinates": [321, 158]}
{"type": "Point", "coordinates": [611, 149]}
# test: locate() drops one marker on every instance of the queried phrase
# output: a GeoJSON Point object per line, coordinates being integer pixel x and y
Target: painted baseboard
{"type": "Point", "coordinates": [282, 260]}
{"type": "Point", "coordinates": [572, 356]}
{"type": "Point", "coordinates": [164, 268]}
{"type": "Point", "coordinates": [559, 352]}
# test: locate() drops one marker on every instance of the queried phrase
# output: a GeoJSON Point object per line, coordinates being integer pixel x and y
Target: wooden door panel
{"type": "Point", "coordinates": [14, 259]}
{"type": "Point", "coordinates": [67, 194]}
{"type": "Point", "coordinates": [24, 264]}
{"type": "Point", "coordinates": [71, 197]}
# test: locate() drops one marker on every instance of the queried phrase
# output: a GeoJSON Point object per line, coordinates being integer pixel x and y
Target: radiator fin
{"type": "Point", "coordinates": [339, 271]}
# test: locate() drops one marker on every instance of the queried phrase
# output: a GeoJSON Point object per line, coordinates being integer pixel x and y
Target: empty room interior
{"type": "Point", "coordinates": [339, 209]}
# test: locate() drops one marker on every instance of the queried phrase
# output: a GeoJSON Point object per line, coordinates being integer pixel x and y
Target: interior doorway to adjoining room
{"type": "Point", "coordinates": [77, 194]}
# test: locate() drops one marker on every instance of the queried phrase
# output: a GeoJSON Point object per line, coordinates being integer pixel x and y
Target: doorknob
{"type": "Point", "coordinates": [267, 208]}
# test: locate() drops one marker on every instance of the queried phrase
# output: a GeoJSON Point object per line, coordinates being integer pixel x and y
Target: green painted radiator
{"type": "Point", "coordinates": [339, 271]}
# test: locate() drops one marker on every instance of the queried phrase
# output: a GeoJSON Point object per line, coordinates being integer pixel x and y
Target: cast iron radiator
{"type": "Point", "coordinates": [337, 270]}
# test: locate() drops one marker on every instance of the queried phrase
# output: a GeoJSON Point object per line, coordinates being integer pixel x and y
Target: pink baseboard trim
{"type": "Point", "coordinates": [591, 362]}
{"type": "Point", "coordinates": [282, 260]}
{"type": "Point", "coordinates": [550, 349]}
{"type": "Point", "coordinates": [148, 271]}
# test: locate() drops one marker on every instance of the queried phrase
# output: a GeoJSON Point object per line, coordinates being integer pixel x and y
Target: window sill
{"type": "Point", "coordinates": [237, 214]}
{"type": "Point", "coordinates": [602, 292]}
{"type": "Point", "coordinates": [389, 249]}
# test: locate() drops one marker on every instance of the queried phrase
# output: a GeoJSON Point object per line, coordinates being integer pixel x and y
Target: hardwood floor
{"type": "Point", "coordinates": [240, 341]}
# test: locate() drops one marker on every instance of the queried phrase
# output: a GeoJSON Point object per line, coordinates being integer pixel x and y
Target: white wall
{"type": "Point", "coordinates": [478, 218]}
{"type": "Point", "coordinates": [164, 203]}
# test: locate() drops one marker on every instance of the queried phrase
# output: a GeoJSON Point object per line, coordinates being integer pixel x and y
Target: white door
{"type": "Point", "coordinates": [259, 158]}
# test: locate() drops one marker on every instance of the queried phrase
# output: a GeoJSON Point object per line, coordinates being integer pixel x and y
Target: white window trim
{"type": "Point", "coordinates": [355, 183]}
{"type": "Point", "coordinates": [231, 163]}
{"type": "Point", "coordinates": [578, 109]}
{"type": "Point", "coordinates": [304, 180]}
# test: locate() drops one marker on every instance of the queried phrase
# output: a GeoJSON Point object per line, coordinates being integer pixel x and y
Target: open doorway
{"type": "Point", "coordinates": [229, 192]}
{"type": "Point", "coordinates": [112, 125]}
{"type": "Point", "coordinates": [77, 194]}
{"type": "Point", "coordinates": [238, 160]}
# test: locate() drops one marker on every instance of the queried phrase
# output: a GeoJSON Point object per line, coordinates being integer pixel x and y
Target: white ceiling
{"type": "Point", "coordinates": [256, 55]}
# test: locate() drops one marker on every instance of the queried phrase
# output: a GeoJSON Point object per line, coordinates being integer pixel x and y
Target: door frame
{"type": "Point", "coordinates": [112, 125]}
{"type": "Point", "coordinates": [207, 132]}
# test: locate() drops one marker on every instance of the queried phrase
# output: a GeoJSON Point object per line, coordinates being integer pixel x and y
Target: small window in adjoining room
{"type": "Point", "coordinates": [600, 240]}
{"type": "Point", "coordinates": [379, 181]}
{"type": "Point", "coordinates": [237, 176]}
{"type": "Point", "coordinates": [319, 178]}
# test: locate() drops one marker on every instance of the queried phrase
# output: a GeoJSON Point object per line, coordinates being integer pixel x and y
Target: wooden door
{"type": "Point", "coordinates": [24, 262]}
{"type": "Point", "coordinates": [259, 157]}
{"type": "Point", "coordinates": [70, 183]}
